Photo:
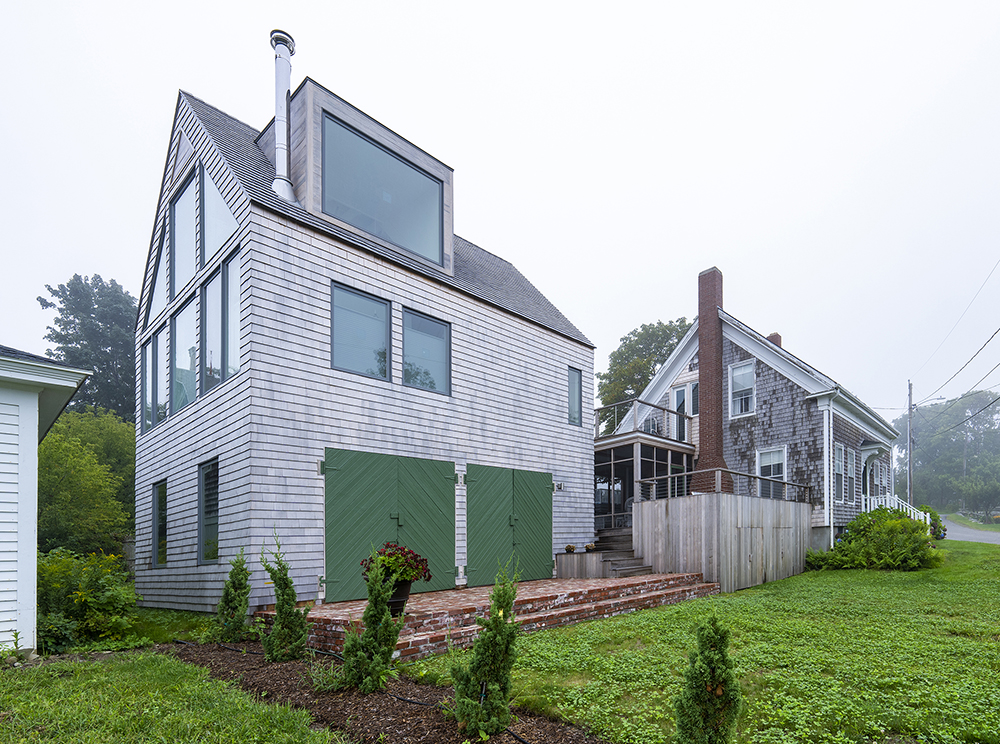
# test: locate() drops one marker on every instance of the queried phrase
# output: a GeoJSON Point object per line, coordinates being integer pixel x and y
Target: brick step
{"type": "Point", "coordinates": [419, 645]}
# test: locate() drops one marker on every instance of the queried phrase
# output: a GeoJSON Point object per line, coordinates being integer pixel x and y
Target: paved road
{"type": "Point", "coordinates": [961, 532]}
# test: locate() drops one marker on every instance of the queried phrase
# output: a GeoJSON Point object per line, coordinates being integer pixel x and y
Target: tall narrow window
{"type": "Point", "coordinates": [741, 386]}
{"type": "Point", "coordinates": [575, 397]}
{"type": "Point", "coordinates": [161, 366]}
{"type": "Point", "coordinates": [772, 465]}
{"type": "Point", "coordinates": [426, 353]}
{"type": "Point", "coordinates": [146, 380]}
{"type": "Point", "coordinates": [851, 465]}
{"type": "Point", "coordinates": [183, 237]}
{"type": "Point", "coordinates": [160, 523]}
{"type": "Point", "coordinates": [183, 357]}
{"type": "Point", "coordinates": [217, 221]}
{"type": "Point", "coordinates": [211, 333]}
{"type": "Point", "coordinates": [158, 295]}
{"type": "Point", "coordinates": [208, 522]}
{"type": "Point", "coordinates": [680, 405]}
{"type": "Point", "coordinates": [360, 333]}
{"type": "Point", "coordinates": [231, 315]}
{"type": "Point", "coordinates": [694, 398]}
{"type": "Point", "coordinates": [838, 472]}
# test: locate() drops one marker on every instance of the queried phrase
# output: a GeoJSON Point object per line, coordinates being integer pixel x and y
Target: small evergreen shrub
{"type": "Point", "coordinates": [231, 614]}
{"type": "Point", "coordinates": [368, 653]}
{"type": "Point", "coordinates": [290, 630]}
{"type": "Point", "coordinates": [482, 692]}
{"type": "Point", "coordinates": [884, 539]}
{"type": "Point", "coordinates": [938, 529]}
{"type": "Point", "coordinates": [709, 704]}
{"type": "Point", "coordinates": [82, 599]}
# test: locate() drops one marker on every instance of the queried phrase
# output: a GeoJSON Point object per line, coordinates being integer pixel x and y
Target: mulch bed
{"type": "Point", "coordinates": [380, 717]}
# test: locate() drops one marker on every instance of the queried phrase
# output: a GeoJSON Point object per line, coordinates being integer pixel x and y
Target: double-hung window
{"type": "Point", "coordinates": [575, 397]}
{"type": "Point", "coordinates": [838, 473]}
{"type": "Point", "coordinates": [426, 352]}
{"type": "Point", "coordinates": [360, 331]}
{"type": "Point", "coordinates": [208, 512]}
{"type": "Point", "coordinates": [741, 387]}
{"type": "Point", "coordinates": [771, 464]}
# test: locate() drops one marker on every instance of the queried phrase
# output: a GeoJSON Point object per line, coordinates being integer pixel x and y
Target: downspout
{"type": "Point", "coordinates": [827, 423]}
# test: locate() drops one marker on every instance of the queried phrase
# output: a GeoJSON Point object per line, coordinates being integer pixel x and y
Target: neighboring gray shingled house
{"type": "Point", "coordinates": [341, 370]}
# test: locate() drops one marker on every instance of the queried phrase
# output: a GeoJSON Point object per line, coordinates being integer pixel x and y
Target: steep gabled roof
{"type": "Point", "coordinates": [55, 381]}
{"type": "Point", "coordinates": [815, 383]}
{"type": "Point", "coordinates": [476, 271]}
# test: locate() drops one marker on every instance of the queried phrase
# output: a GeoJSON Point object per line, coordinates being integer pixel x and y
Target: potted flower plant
{"type": "Point", "coordinates": [403, 566]}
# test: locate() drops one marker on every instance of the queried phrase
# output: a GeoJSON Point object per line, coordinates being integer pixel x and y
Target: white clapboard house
{"type": "Point", "coordinates": [321, 358]}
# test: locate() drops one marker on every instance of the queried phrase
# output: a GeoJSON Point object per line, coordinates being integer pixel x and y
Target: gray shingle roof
{"type": "Point", "coordinates": [476, 272]}
{"type": "Point", "coordinates": [7, 352]}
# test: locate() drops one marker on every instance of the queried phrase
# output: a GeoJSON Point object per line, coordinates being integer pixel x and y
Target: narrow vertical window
{"type": "Point", "coordinates": [211, 333]}
{"type": "Point", "coordinates": [851, 465]}
{"type": "Point", "coordinates": [231, 315]}
{"type": "Point", "coordinates": [158, 295]}
{"type": "Point", "coordinates": [426, 353]}
{"type": "Point", "coordinates": [183, 357]}
{"type": "Point", "coordinates": [694, 398]}
{"type": "Point", "coordinates": [217, 221]}
{"type": "Point", "coordinates": [575, 397]}
{"type": "Point", "coordinates": [208, 522]}
{"type": "Point", "coordinates": [183, 237]}
{"type": "Point", "coordinates": [680, 405]}
{"type": "Point", "coordinates": [146, 380]}
{"type": "Point", "coordinates": [838, 472]}
{"type": "Point", "coordinates": [158, 377]}
{"type": "Point", "coordinates": [160, 523]}
{"type": "Point", "coordinates": [360, 333]}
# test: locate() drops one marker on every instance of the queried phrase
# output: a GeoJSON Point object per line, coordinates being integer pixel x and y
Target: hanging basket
{"type": "Point", "coordinates": [400, 593]}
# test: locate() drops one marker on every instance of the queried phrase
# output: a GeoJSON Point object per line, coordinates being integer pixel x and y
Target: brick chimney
{"type": "Point", "coordinates": [775, 338]}
{"type": "Point", "coordinates": [710, 379]}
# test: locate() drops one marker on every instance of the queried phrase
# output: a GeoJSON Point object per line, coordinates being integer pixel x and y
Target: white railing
{"type": "Point", "coordinates": [891, 501]}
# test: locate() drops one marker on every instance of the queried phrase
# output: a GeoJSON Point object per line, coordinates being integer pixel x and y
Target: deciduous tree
{"type": "Point", "coordinates": [638, 357]}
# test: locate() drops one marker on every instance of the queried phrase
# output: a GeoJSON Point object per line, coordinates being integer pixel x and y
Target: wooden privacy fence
{"type": "Point", "coordinates": [736, 540]}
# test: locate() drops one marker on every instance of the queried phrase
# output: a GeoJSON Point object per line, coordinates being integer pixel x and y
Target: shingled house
{"type": "Point", "coordinates": [731, 399]}
{"type": "Point", "coordinates": [321, 359]}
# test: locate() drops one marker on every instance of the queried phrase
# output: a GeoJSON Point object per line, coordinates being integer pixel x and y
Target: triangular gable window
{"type": "Point", "coordinates": [218, 221]}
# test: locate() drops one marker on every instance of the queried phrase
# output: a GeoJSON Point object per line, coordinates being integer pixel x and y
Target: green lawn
{"type": "Point", "coordinates": [139, 697]}
{"type": "Point", "coordinates": [833, 656]}
{"type": "Point", "coordinates": [959, 519]}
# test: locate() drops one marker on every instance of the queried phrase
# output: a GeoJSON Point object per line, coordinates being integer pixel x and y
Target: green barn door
{"type": "Point", "coordinates": [374, 499]}
{"type": "Point", "coordinates": [533, 524]}
{"type": "Point", "coordinates": [490, 532]}
{"type": "Point", "coordinates": [360, 498]}
{"type": "Point", "coordinates": [509, 514]}
{"type": "Point", "coordinates": [426, 517]}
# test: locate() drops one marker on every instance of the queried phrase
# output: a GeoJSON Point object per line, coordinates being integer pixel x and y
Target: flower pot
{"type": "Point", "coordinates": [400, 593]}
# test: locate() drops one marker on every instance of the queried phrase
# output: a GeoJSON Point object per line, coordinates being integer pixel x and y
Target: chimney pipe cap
{"type": "Point", "coordinates": [282, 37]}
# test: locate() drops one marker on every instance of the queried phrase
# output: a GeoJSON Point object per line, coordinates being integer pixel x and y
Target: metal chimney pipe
{"type": "Point", "coordinates": [284, 47]}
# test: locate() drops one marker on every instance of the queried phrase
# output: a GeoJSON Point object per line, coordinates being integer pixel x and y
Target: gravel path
{"type": "Point", "coordinates": [961, 532]}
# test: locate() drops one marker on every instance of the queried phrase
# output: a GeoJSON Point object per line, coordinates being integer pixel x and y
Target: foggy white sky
{"type": "Point", "coordinates": [839, 162]}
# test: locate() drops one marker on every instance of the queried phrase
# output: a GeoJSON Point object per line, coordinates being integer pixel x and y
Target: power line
{"type": "Point", "coordinates": [970, 417]}
{"type": "Point", "coordinates": [963, 366]}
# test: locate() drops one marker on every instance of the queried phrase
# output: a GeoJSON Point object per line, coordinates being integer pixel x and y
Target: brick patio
{"type": "Point", "coordinates": [434, 620]}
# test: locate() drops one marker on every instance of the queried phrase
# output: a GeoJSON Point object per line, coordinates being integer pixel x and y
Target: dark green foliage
{"type": "Point", "coordinates": [231, 615]}
{"type": "Point", "coordinates": [938, 529]}
{"type": "Point", "coordinates": [710, 702]}
{"type": "Point", "coordinates": [368, 654]}
{"type": "Point", "coordinates": [81, 599]}
{"type": "Point", "coordinates": [641, 353]}
{"type": "Point", "coordinates": [884, 539]}
{"type": "Point", "coordinates": [290, 630]}
{"type": "Point", "coordinates": [95, 330]}
{"type": "Point", "coordinates": [77, 508]}
{"type": "Point", "coordinates": [482, 692]}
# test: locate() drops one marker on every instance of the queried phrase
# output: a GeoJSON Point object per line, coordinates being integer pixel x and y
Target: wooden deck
{"type": "Point", "coordinates": [436, 620]}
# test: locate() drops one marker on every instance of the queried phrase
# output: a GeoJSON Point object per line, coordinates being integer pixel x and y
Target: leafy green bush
{"type": "Point", "coordinates": [884, 539]}
{"type": "Point", "coordinates": [710, 702]}
{"type": "Point", "coordinates": [82, 599]}
{"type": "Point", "coordinates": [368, 654]}
{"type": "Point", "coordinates": [290, 630]}
{"type": "Point", "coordinates": [231, 615]}
{"type": "Point", "coordinates": [938, 530]}
{"type": "Point", "coordinates": [482, 692]}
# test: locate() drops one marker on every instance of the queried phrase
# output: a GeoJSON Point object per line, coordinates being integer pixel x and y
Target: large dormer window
{"type": "Point", "coordinates": [378, 192]}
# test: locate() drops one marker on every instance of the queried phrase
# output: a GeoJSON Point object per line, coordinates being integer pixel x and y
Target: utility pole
{"type": "Point", "coordinates": [909, 444]}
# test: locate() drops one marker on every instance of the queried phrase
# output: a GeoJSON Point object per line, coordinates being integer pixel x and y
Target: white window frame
{"type": "Point", "coordinates": [783, 449]}
{"type": "Point", "coordinates": [839, 484]}
{"type": "Point", "coordinates": [752, 363]}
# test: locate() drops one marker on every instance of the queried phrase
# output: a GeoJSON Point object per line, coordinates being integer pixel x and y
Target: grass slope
{"type": "Point", "coordinates": [140, 697]}
{"type": "Point", "coordinates": [965, 521]}
{"type": "Point", "coordinates": [833, 656]}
